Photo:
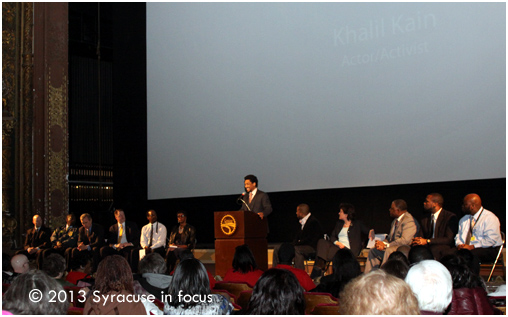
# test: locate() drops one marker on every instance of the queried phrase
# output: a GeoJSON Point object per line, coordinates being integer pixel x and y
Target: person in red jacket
{"type": "Point", "coordinates": [286, 255]}
{"type": "Point", "coordinates": [244, 268]}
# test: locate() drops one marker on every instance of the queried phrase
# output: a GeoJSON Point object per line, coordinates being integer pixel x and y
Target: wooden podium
{"type": "Point", "coordinates": [234, 228]}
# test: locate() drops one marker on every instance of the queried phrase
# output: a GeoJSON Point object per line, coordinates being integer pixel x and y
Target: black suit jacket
{"type": "Point", "coordinates": [354, 234]}
{"type": "Point", "coordinates": [42, 240]}
{"type": "Point", "coordinates": [96, 236]}
{"type": "Point", "coordinates": [310, 234]}
{"type": "Point", "coordinates": [131, 232]}
{"type": "Point", "coordinates": [260, 203]}
{"type": "Point", "coordinates": [447, 225]}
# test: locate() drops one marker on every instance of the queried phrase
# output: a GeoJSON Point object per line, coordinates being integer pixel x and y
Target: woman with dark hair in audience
{"type": "Point", "coordinates": [398, 255]}
{"type": "Point", "coordinates": [244, 268]}
{"type": "Point", "coordinates": [396, 267]}
{"type": "Point", "coordinates": [469, 295]}
{"type": "Point", "coordinates": [54, 265]}
{"type": "Point", "coordinates": [345, 268]}
{"type": "Point", "coordinates": [277, 292]}
{"type": "Point", "coordinates": [189, 292]}
{"type": "Point", "coordinates": [113, 286]}
{"type": "Point", "coordinates": [81, 268]}
{"type": "Point", "coordinates": [347, 234]}
{"type": "Point", "coordinates": [19, 298]}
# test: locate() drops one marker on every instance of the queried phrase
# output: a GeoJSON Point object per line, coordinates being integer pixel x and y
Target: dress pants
{"type": "Point", "coordinates": [376, 258]}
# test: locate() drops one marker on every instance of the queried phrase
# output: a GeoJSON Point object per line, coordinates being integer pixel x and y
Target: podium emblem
{"type": "Point", "coordinates": [228, 225]}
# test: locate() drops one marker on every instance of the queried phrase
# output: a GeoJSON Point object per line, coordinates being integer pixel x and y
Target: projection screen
{"type": "Point", "coordinates": [323, 95]}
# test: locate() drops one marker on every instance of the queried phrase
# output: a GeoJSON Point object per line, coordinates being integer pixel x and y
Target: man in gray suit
{"type": "Point", "coordinates": [402, 232]}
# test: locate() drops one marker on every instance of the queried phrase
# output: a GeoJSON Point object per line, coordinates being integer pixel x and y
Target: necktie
{"type": "Point", "coordinates": [394, 230]}
{"type": "Point", "coordinates": [88, 235]}
{"type": "Point", "coordinates": [432, 223]}
{"type": "Point", "coordinates": [471, 225]}
{"type": "Point", "coordinates": [120, 234]}
{"type": "Point", "coordinates": [250, 197]}
{"type": "Point", "coordinates": [151, 237]}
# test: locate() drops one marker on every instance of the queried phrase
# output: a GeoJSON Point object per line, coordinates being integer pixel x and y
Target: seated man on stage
{"type": "Point", "coordinates": [153, 235]}
{"type": "Point", "coordinates": [438, 229]}
{"type": "Point", "coordinates": [63, 240]}
{"type": "Point", "coordinates": [403, 229]}
{"type": "Point", "coordinates": [479, 230]}
{"type": "Point", "coordinates": [123, 240]}
{"type": "Point", "coordinates": [90, 240]}
{"type": "Point", "coordinates": [306, 239]}
{"type": "Point", "coordinates": [37, 240]}
{"type": "Point", "coordinates": [181, 237]}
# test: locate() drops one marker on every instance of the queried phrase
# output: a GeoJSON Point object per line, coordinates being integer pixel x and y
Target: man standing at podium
{"type": "Point", "coordinates": [256, 200]}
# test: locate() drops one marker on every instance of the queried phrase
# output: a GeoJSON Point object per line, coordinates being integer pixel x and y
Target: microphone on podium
{"type": "Point", "coordinates": [243, 201]}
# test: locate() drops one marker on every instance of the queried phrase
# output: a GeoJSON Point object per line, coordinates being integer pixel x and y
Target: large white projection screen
{"type": "Point", "coordinates": [323, 95]}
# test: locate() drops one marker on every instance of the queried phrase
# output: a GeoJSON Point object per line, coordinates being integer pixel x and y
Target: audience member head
{"type": "Point", "coordinates": [277, 292]}
{"type": "Point", "coordinates": [114, 275]}
{"type": "Point", "coordinates": [20, 263]}
{"type": "Point", "coordinates": [431, 282]}
{"type": "Point", "coordinates": [419, 253]}
{"type": "Point", "coordinates": [152, 263]}
{"type": "Point", "coordinates": [348, 210]}
{"type": "Point", "coordinates": [471, 260]}
{"type": "Point", "coordinates": [186, 254]}
{"type": "Point", "coordinates": [19, 297]}
{"type": "Point", "coordinates": [345, 267]}
{"type": "Point", "coordinates": [54, 265]}
{"type": "Point", "coordinates": [81, 263]}
{"type": "Point", "coordinates": [405, 250]}
{"type": "Point", "coordinates": [243, 260]}
{"type": "Point", "coordinates": [6, 263]}
{"type": "Point", "coordinates": [462, 276]}
{"type": "Point", "coordinates": [395, 267]}
{"type": "Point", "coordinates": [286, 253]}
{"type": "Point", "coordinates": [378, 293]}
{"type": "Point", "coordinates": [400, 256]}
{"type": "Point", "coordinates": [190, 278]}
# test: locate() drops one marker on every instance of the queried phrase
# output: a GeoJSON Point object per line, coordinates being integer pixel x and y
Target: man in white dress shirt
{"type": "Point", "coordinates": [153, 235]}
{"type": "Point", "coordinates": [479, 230]}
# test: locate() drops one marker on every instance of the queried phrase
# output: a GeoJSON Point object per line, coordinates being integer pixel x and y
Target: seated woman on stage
{"type": "Point", "coordinates": [346, 234]}
{"type": "Point", "coordinates": [244, 268]}
{"type": "Point", "coordinates": [190, 292]}
{"type": "Point", "coordinates": [181, 237]}
{"type": "Point", "coordinates": [277, 292]}
{"type": "Point", "coordinates": [345, 268]}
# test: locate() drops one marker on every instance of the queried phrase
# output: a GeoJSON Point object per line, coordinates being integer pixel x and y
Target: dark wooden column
{"type": "Point", "coordinates": [50, 138]}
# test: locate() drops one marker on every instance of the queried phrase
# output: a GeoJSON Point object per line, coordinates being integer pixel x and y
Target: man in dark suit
{"type": "Point", "coordinates": [439, 228]}
{"type": "Point", "coordinates": [257, 201]}
{"type": "Point", "coordinates": [90, 240]}
{"type": "Point", "coordinates": [37, 240]}
{"type": "Point", "coordinates": [306, 239]}
{"type": "Point", "coordinates": [403, 229]}
{"type": "Point", "coordinates": [123, 239]}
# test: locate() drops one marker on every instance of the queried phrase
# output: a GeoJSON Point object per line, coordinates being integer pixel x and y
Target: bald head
{"type": "Point", "coordinates": [20, 264]}
{"type": "Point", "coordinates": [37, 221]}
{"type": "Point", "coordinates": [471, 204]}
